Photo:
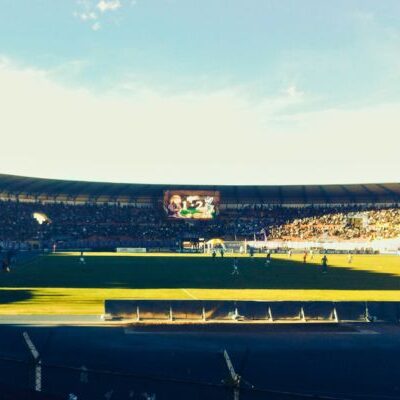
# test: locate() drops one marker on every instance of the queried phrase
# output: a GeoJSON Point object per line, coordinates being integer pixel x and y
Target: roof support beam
{"type": "Point", "coordinates": [349, 194]}
{"type": "Point", "coordinates": [325, 194]}
{"type": "Point", "coordinates": [387, 190]}
{"type": "Point", "coordinates": [370, 193]}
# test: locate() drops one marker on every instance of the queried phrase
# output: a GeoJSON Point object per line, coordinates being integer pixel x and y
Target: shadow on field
{"type": "Point", "coordinates": [193, 272]}
{"type": "Point", "coordinates": [12, 296]}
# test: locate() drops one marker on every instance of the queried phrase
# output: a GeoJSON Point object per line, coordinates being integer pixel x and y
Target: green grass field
{"type": "Point", "coordinates": [57, 284]}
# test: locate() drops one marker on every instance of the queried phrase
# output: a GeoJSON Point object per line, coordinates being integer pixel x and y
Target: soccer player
{"type": "Point", "coordinates": [251, 251]}
{"type": "Point", "coordinates": [235, 270]}
{"type": "Point", "coordinates": [10, 259]}
{"type": "Point", "coordinates": [350, 258]}
{"type": "Point", "coordinates": [311, 255]}
{"type": "Point", "coordinates": [6, 265]}
{"type": "Point", "coordinates": [290, 253]}
{"type": "Point", "coordinates": [305, 257]}
{"type": "Point", "coordinates": [268, 258]}
{"type": "Point", "coordinates": [82, 259]}
{"type": "Point", "coordinates": [222, 252]}
{"type": "Point", "coordinates": [324, 264]}
{"type": "Point", "coordinates": [214, 254]}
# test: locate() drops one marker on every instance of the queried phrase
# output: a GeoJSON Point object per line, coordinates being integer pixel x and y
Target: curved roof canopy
{"type": "Point", "coordinates": [66, 190]}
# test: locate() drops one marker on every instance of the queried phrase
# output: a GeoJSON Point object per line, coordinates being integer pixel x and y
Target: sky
{"type": "Point", "coordinates": [201, 92]}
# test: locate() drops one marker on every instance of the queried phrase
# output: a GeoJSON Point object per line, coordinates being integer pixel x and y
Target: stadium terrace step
{"type": "Point", "coordinates": [175, 311]}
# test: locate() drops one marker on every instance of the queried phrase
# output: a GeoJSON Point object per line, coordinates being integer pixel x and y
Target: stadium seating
{"type": "Point", "coordinates": [103, 225]}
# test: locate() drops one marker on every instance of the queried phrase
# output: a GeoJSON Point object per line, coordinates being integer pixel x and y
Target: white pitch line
{"type": "Point", "coordinates": [189, 294]}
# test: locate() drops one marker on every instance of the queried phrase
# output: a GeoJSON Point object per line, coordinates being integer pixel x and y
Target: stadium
{"type": "Point", "coordinates": [89, 255]}
{"type": "Point", "coordinates": [199, 200]}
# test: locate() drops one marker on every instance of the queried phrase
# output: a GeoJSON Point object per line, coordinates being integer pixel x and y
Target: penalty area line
{"type": "Point", "coordinates": [189, 294]}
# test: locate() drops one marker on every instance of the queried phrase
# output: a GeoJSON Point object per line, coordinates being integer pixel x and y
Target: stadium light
{"type": "Point", "coordinates": [41, 218]}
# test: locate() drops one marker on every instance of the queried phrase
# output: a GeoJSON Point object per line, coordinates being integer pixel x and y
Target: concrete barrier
{"type": "Point", "coordinates": [253, 311]}
{"type": "Point", "coordinates": [350, 310]}
{"type": "Point", "coordinates": [286, 310]}
{"type": "Point", "coordinates": [186, 310]}
{"type": "Point", "coordinates": [383, 311]}
{"type": "Point", "coordinates": [315, 311]}
{"type": "Point", "coordinates": [219, 310]}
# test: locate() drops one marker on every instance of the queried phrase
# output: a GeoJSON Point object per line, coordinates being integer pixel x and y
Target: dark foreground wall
{"type": "Point", "coordinates": [252, 311]}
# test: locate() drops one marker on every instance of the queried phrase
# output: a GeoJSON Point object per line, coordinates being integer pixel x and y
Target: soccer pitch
{"type": "Point", "coordinates": [58, 284]}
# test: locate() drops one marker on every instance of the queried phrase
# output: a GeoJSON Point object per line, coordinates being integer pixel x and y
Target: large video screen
{"type": "Point", "coordinates": [191, 204]}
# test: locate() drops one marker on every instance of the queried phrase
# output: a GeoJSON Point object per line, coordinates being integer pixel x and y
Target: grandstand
{"type": "Point", "coordinates": [73, 215]}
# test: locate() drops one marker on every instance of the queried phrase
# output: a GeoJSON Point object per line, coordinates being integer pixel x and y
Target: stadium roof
{"type": "Point", "coordinates": [65, 190]}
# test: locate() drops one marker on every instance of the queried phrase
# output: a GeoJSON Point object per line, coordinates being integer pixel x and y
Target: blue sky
{"type": "Point", "coordinates": [254, 92]}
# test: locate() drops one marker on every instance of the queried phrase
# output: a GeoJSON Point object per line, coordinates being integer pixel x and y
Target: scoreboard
{"type": "Point", "coordinates": [191, 204]}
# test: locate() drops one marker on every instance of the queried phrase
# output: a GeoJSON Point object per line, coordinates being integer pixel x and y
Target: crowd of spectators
{"type": "Point", "coordinates": [126, 225]}
{"type": "Point", "coordinates": [339, 226]}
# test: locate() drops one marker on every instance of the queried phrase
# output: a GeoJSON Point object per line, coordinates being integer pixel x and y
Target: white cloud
{"type": "Point", "coordinates": [108, 5]}
{"type": "Point", "coordinates": [216, 137]}
{"type": "Point", "coordinates": [87, 16]}
{"type": "Point", "coordinates": [293, 92]}
{"type": "Point", "coordinates": [96, 26]}
{"type": "Point", "coordinates": [92, 11]}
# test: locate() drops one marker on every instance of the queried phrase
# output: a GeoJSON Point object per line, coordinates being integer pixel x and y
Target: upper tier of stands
{"type": "Point", "coordinates": [77, 191]}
